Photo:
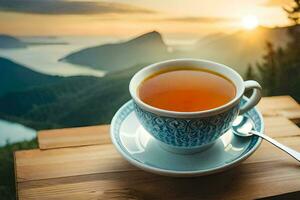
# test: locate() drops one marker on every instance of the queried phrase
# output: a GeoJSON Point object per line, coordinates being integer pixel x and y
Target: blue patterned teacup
{"type": "Point", "coordinates": [189, 132]}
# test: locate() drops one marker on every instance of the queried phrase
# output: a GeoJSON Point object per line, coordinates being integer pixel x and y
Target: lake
{"type": "Point", "coordinates": [43, 56]}
{"type": "Point", "coordinates": [14, 132]}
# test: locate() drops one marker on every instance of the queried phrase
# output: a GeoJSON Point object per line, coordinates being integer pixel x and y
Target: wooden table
{"type": "Point", "coordinates": [81, 163]}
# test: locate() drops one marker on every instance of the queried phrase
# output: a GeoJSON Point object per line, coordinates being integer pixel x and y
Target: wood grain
{"type": "Point", "coordinates": [284, 106]}
{"type": "Point", "coordinates": [40, 164]}
{"type": "Point", "coordinates": [244, 182]}
{"type": "Point", "coordinates": [280, 127]}
{"type": "Point", "coordinates": [70, 164]}
{"type": "Point", "coordinates": [72, 137]}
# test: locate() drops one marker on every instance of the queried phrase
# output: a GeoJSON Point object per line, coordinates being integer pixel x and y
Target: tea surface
{"type": "Point", "coordinates": [186, 90]}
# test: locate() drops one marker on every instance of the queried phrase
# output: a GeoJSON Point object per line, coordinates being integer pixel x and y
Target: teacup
{"type": "Point", "coordinates": [190, 132]}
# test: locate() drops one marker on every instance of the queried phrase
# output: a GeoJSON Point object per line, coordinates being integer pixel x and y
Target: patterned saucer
{"type": "Point", "coordinates": [138, 147]}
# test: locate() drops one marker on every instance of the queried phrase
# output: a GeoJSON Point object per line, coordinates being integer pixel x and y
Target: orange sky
{"type": "Point", "coordinates": [131, 17]}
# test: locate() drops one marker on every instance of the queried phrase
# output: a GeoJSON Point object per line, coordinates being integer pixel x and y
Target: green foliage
{"type": "Point", "coordinates": [80, 101]}
{"type": "Point", "coordinates": [15, 77]}
{"type": "Point", "coordinates": [269, 71]}
{"type": "Point", "coordinates": [279, 72]}
{"type": "Point", "coordinates": [7, 175]}
{"type": "Point", "coordinates": [74, 101]}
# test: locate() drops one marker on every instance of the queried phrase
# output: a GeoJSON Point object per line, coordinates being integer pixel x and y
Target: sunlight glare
{"type": "Point", "coordinates": [250, 22]}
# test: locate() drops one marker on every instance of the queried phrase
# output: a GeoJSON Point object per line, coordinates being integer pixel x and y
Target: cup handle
{"type": "Point", "coordinates": [255, 96]}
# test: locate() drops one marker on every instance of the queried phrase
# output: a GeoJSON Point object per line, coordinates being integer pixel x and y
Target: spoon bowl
{"type": "Point", "coordinates": [243, 127]}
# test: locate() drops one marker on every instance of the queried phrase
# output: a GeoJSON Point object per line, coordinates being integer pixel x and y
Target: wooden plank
{"type": "Point", "coordinates": [70, 137]}
{"type": "Point", "coordinates": [267, 152]}
{"type": "Point", "coordinates": [284, 106]}
{"type": "Point", "coordinates": [82, 136]}
{"type": "Point", "coordinates": [42, 164]}
{"type": "Point", "coordinates": [95, 170]}
{"type": "Point", "coordinates": [38, 164]}
{"type": "Point", "coordinates": [247, 181]}
{"type": "Point", "coordinates": [277, 103]}
{"type": "Point", "coordinates": [280, 127]}
{"type": "Point", "coordinates": [292, 114]}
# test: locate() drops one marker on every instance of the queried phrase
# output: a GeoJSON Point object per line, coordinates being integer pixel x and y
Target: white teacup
{"type": "Point", "coordinates": [188, 132]}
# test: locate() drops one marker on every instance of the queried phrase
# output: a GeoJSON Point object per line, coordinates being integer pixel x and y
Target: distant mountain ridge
{"type": "Point", "coordinates": [241, 48]}
{"type": "Point", "coordinates": [80, 101]}
{"type": "Point", "coordinates": [8, 42]}
{"type": "Point", "coordinates": [148, 47]}
{"type": "Point", "coordinates": [236, 50]}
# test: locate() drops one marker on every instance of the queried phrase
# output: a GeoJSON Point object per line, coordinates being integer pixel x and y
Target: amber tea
{"type": "Point", "coordinates": [186, 90]}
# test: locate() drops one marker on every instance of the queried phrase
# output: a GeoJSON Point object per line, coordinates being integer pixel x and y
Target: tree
{"type": "Point", "coordinates": [290, 56]}
{"type": "Point", "coordinates": [268, 70]}
{"type": "Point", "coordinates": [293, 11]}
{"type": "Point", "coordinates": [279, 71]}
{"type": "Point", "coordinates": [250, 75]}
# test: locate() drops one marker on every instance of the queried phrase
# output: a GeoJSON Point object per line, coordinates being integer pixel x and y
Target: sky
{"type": "Point", "coordinates": [132, 17]}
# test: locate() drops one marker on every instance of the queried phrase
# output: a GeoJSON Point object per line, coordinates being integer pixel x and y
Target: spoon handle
{"type": "Point", "coordinates": [288, 150]}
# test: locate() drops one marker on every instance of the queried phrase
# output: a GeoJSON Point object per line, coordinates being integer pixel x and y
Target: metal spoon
{"type": "Point", "coordinates": [243, 127]}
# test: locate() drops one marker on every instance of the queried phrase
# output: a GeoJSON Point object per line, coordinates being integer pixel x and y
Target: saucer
{"type": "Point", "coordinates": [139, 148]}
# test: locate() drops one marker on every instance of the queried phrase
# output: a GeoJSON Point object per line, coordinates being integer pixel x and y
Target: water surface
{"type": "Point", "coordinates": [13, 132]}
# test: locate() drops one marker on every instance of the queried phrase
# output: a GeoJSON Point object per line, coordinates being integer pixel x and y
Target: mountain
{"type": "Point", "coordinates": [211, 38]}
{"type": "Point", "coordinates": [73, 101]}
{"type": "Point", "coordinates": [15, 77]}
{"type": "Point", "coordinates": [238, 49]}
{"type": "Point", "coordinates": [7, 42]}
{"type": "Point", "coordinates": [80, 101]}
{"type": "Point", "coordinates": [147, 48]}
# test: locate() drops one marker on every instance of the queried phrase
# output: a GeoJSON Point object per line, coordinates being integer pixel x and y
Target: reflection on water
{"type": "Point", "coordinates": [45, 58]}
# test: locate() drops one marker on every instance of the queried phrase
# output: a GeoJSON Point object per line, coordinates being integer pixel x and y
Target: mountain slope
{"type": "Point", "coordinates": [239, 49]}
{"type": "Point", "coordinates": [15, 77]}
{"type": "Point", "coordinates": [236, 50]}
{"type": "Point", "coordinates": [7, 42]}
{"type": "Point", "coordinates": [146, 48]}
{"type": "Point", "coordinates": [74, 101]}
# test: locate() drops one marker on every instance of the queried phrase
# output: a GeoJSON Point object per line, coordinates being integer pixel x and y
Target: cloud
{"type": "Point", "coordinates": [64, 7]}
{"type": "Point", "coordinates": [272, 3]}
{"type": "Point", "coordinates": [198, 19]}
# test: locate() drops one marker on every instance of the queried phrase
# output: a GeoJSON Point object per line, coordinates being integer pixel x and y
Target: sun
{"type": "Point", "coordinates": [250, 22]}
